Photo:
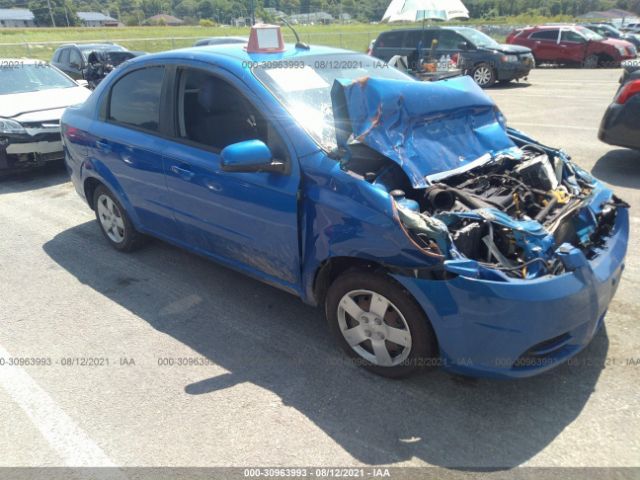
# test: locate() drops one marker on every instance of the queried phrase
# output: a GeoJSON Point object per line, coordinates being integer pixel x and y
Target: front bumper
{"type": "Point", "coordinates": [621, 124]}
{"type": "Point", "coordinates": [513, 70]}
{"type": "Point", "coordinates": [521, 328]}
{"type": "Point", "coordinates": [28, 150]}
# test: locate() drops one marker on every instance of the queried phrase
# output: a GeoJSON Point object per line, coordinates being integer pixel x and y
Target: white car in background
{"type": "Point", "coordinates": [33, 95]}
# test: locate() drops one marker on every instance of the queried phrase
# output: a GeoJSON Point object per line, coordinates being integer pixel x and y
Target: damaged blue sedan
{"type": "Point", "coordinates": [430, 232]}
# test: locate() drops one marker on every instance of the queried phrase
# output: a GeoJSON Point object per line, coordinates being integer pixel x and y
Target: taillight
{"type": "Point", "coordinates": [628, 91]}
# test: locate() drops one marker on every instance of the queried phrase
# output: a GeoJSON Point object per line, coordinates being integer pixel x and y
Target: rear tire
{"type": "Point", "coordinates": [114, 221]}
{"type": "Point", "coordinates": [591, 61]}
{"type": "Point", "coordinates": [379, 324]}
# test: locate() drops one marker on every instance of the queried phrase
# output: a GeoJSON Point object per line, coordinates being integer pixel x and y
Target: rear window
{"type": "Point", "coordinates": [135, 99]}
{"type": "Point", "coordinates": [545, 35]}
{"type": "Point", "coordinates": [390, 39]}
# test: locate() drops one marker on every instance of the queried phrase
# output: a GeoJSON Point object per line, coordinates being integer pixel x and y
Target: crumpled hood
{"type": "Point", "coordinates": [14, 105]}
{"type": "Point", "coordinates": [426, 128]}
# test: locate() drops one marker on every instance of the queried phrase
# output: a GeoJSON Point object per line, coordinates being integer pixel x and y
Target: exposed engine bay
{"type": "Point", "coordinates": [518, 214]}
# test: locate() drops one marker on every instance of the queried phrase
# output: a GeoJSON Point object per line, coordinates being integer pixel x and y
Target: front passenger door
{"type": "Point", "coordinates": [249, 220]}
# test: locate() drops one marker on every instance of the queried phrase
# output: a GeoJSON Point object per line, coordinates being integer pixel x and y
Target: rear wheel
{"type": "Point", "coordinates": [379, 324]}
{"type": "Point", "coordinates": [114, 221]}
{"type": "Point", "coordinates": [484, 75]}
{"type": "Point", "coordinates": [591, 61]}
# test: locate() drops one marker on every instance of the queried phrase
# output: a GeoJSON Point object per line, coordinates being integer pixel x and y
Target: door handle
{"type": "Point", "coordinates": [103, 146]}
{"type": "Point", "coordinates": [182, 172]}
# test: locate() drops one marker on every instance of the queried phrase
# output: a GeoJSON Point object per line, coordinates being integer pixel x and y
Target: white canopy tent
{"type": "Point", "coordinates": [419, 10]}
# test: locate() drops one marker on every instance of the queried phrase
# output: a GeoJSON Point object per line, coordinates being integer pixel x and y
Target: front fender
{"type": "Point", "coordinates": [342, 215]}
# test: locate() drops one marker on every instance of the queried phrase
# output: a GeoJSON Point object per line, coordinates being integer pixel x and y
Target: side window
{"type": "Point", "coordinates": [214, 114]}
{"type": "Point", "coordinates": [56, 55]}
{"type": "Point", "coordinates": [412, 39]}
{"type": "Point", "coordinates": [64, 56]}
{"type": "Point", "coordinates": [75, 59]}
{"type": "Point", "coordinates": [391, 39]}
{"type": "Point", "coordinates": [135, 99]}
{"type": "Point", "coordinates": [545, 35]}
{"type": "Point", "coordinates": [571, 36]}
{"type": "Point", "coordinates": [449, 40]}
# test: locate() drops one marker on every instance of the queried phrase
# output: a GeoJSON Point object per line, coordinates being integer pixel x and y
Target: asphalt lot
{"type": "Point", "coordinates": [274, 390]}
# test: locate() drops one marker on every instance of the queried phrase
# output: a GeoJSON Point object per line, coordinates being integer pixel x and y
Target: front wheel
{"type": "Point", "coordinates": [379, 324]}
{"type": "Point", "coordinates": [484, 75]}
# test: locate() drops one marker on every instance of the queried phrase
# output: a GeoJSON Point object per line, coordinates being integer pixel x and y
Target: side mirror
{"type": "Point", "coordinates": [82, 83]}
{"type": "Point", "coordinates": [248, 157]}
{"type": "Point", "coordinates": [463, 46]}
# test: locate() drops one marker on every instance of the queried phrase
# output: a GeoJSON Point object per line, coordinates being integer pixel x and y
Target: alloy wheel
{"type": "Point", "coordinates": [111, 218]}
{"type": "Point", "coordinates": [374, 328]}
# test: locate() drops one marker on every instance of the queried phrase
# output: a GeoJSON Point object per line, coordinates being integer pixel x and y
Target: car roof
{"type": "Point", "coordinates": [236, 53]}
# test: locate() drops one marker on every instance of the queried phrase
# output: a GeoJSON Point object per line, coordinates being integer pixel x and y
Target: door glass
{"type": "Point", "coordinates": [571, 36]}
{"type": "Point", "coordinates": [214, 114]}
{"type": "Point", "coordinates": [64, 57]}
{"type": "Point", "coordinates": [135, 99]}
{"type": "Point", "coordinates": [75, 60]}
{"type": "Point", "coordinates": [448, 40]}
{"type": "Point", "coordinates": [545, 35]}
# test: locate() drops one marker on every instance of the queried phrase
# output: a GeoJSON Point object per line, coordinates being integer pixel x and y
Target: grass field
{"type": "Point", "coordinates": [41, 42]}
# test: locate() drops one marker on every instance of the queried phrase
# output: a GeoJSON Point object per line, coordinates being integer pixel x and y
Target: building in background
{"type": "Point", "coordinates": [96, 19]}
{"type": "Point", "coordinates": [16, 17]}
{"type": "Point", "coordinates": [163, 19]}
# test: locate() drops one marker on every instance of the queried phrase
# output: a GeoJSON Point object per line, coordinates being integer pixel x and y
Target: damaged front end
{"type": "Point", "coordinates": [29, 144]}
{"type": "Point", "coordinates": [494, 203]}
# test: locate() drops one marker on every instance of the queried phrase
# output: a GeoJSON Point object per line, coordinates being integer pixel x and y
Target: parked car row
{"type": "Point", "coordinates": [572, 45]}
{"type": "Point", "coordinates": [476, 54]}
{"type": "Point", "coordinates": [33, 95]}
{"type": "Point", "coordinates": [456, 241]}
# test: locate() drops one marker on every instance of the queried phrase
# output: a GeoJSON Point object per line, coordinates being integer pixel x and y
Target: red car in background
{"type": "Point", "coordinates": [572, 44]}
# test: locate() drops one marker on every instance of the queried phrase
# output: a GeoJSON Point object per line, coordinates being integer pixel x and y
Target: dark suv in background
{"type": "Point", "coordinates": [477, 54]}
{"type": "Point", "coordinates": [73, 59]}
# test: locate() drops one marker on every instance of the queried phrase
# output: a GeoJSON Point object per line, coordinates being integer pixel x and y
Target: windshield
{"type": "Point", "coordinates": [590, 34]}
{"type": "Point", "coordinates": [303, 86]}
{"type": "Point", "coordinates": [22, 78]}
{"type": "Point", "coordinates": [478, 38]}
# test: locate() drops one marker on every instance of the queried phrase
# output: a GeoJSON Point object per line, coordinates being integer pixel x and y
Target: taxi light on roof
{"type": "Point", "coordinates": [265, 38]}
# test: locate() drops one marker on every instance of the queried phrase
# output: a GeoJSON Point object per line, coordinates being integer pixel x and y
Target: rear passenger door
{"type": "Point", "coordinates": [129, 144]}
{"type": "Point", "coordinates": [544, 44]}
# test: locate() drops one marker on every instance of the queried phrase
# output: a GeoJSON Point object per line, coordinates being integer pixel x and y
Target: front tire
{"type": "Point", "coordinates": [114, 221]}
{"type": "Point", "coordinates": [484, 75]}
{"type": "Point", "coordinates": [379, 324]}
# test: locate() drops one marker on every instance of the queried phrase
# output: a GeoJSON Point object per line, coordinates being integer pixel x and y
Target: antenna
{"type": "Point", "coordinates": [299, 44]}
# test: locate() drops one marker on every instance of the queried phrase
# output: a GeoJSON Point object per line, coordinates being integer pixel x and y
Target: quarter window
{"type": "Point", "coordinates": [135, 99]}
{"type": "Point", "coordinates": [391, 39]}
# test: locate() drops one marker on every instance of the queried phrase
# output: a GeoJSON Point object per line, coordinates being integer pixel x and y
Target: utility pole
{"type": "Point", "coordinates": [53, 21]}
